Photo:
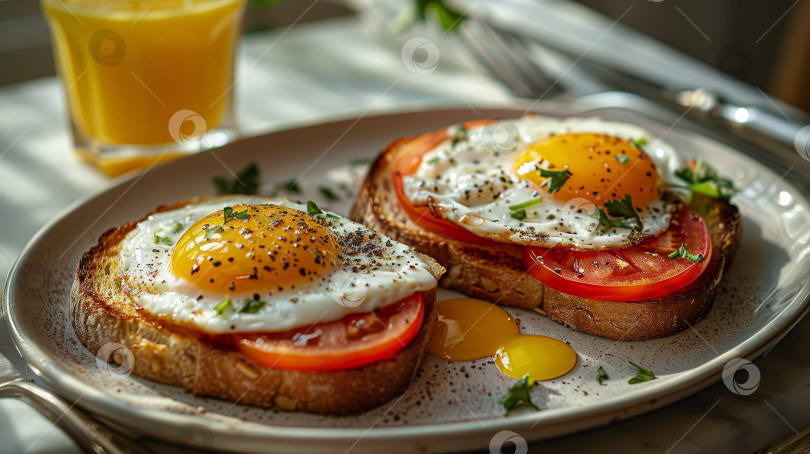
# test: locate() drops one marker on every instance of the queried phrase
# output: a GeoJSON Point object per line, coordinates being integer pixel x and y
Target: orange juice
{"type": "Point", "coordinates": [129, 66]}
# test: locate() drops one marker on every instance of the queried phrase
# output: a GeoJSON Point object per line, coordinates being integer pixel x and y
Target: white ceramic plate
{"type": "Point", "coordinates": [450, 406]}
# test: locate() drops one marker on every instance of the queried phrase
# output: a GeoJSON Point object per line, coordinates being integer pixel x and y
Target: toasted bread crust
{"type": "Point", "coordinates": [497, 273]}
{"type": "Point", "coordinates": [180, 356]}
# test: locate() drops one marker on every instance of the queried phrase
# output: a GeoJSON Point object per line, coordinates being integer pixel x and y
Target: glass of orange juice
{"type": "Point", "coordinates": [146, 80]}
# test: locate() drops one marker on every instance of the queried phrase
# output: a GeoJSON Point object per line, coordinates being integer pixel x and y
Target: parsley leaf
{"type": "Point", "coordinates": [457, 133]}
{"type": "Point", "coordinates": [177, 227]}
{"type": "Point", "coordinates": [704, 180]}
{"type": "Point", "coordinates": [558, 178]}
{"type": "Point", "coordinates": [518, 214]}
{"type": "Point", "coordinates": [682, 252]}
{"type": "Point", "coordinates": [624, 209]}
{"type": "Point", "coordinates": [606, 223]}
{"type": "Point", "coordinates": [250, 306]}
{"type": "Point", "coordinates": [639, 141]}
{"type": "Point", "coordinates": [163, 240]}
{"type": "Point", "coordinates": [222, 305]}
{"type": "Point", "coordinates": [518, 395]}
{"type": "Point", "coordinates": [245, 182]}
{"type": "Point", "coordinates": [449, 18]}
{"type": "Point", "coordinates": [642, 376]}
{"type": "Point", "coordinates": [621, 158]}
{"type": "Point", "coordinates": [289, 186]}
{"type": "Point", "coordinates": [601, 375]}
{"type": "Point", "coordinates": [313, 210]}
{"type": "Point", "coordinates": [328, 194]}
{"type": "Point", "coordinates": [433, 160]}
{"type": "Point", "coordinates": [209, 232]}
{"type": "Point", "coordinates": [525, 204]}
{"type": "Point", "coordinates": [519, 209]}
{"type": "Point", "coordinates": [230, 215]}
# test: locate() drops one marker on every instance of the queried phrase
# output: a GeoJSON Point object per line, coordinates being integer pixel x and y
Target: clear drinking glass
{"type": "Point", "coordinates": [146, 80]}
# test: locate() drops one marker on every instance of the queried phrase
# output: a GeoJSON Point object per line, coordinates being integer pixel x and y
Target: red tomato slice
{"type": "Point", "coordinates": [637, 273]}
{"type": "Point", "coordinates": [353, 341]}
{"type": "Point", "coordinates": [406, 163]}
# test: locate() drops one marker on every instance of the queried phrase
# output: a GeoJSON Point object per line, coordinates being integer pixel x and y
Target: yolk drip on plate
{"type": "Point", "coordinates": [471, 329]}
{"type": "Point", "coordinates": [542, 357]}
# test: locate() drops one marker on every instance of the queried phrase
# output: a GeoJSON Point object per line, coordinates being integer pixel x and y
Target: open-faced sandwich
{"type": "Point", "coordinates": [592, 223]}
{"type": "Point", "coordinates": [260, 301]}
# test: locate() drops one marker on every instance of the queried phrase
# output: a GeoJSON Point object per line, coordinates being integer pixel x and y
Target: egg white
{"type": "Point", "coordinates": [360, 283]}
{"type": "Point", "coordinates": [472, 184]}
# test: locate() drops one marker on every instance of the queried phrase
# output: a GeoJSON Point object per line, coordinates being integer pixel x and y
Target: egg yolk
{"type": "Point", "coordinates": [470, 329]}
{"type": "Point", "coordinates": [601, 167]}
{"type": "Point", "coordinates": [246, 248]}
{"type": "Point", "coordinates": [542, 357]}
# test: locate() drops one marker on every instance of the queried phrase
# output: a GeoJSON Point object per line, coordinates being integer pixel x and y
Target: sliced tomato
{"type": "Point", "coordinates": [407, 162]}
{"type": "Point", "coordinates": [353, 341]}
{"type": "Point", "coordinates": [633, 274]}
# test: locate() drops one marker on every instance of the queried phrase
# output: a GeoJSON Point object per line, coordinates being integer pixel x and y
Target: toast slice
{"type": "Point", "coordinates": [182, 356]}
{"type": "Point", "coordinates": [497, 273]}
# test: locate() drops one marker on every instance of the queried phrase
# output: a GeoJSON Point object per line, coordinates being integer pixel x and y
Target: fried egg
{"type": "Point", "coordinates": [263, 265]}
{"type": "Point", "coordinates": [541, 181]}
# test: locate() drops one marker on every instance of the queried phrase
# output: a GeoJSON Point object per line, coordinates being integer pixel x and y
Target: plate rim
{"type": "Point", "coordinates": [96, 402]}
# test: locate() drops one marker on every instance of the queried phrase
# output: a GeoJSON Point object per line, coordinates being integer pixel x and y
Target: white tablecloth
{"type": "Point", "coordinates": [349, 72]}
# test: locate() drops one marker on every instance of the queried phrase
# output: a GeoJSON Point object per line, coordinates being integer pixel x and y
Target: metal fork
{"type": "Point", "coordinates": [506, 57]}
{"type": "Point", "coordinates": [87, 433]}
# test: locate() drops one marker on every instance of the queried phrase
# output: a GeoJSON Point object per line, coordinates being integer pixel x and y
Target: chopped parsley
{"type": "Point", "coordinates": [606, 223]}
{"type": "Point", "coordinates": [624, 209]}
{"type": "Point", "coordinates": [642, 376]}
{"type": "Point", "coordinates": [519, 214]}
{"type": "Point", "coordinates": [518, 210]}
{"type": "Point", "coordinates": [328, 194]}
{"type": "Point", "coordinates": [639, 142]}
{"type": "Point", "coordinates": [621, 158]}
{"type": "Point", "coordinates": [289, 186]}
{"type": "Point", "coordinates": [433, 160]}
{"type": "Point", "coordinates": [163, 240]}
{"type": "Point", "coordinates": [222, 305]}
{"type": "Point", "coordinates": [457, 133]}
{"type": "Point", "coordinates": [250, 306]}
{"type": "Point", "coordinates": [518, 395]}
{"type": "Point", "coordinates": [213, 231]}
{"type": "Point", "coordinates": [245, 182]}
{"type": "Point", "coordinates": [702, 179]}
{"type": "Point", "coordinates": [558, 178]}
{"type": "Point", "coordinates": [230, 215]}
{"type": "Point", "coordinates": [525, 204]}
{"type": "Point", "coordinates": [449, 18]}
{"type": "Point", "coordinates": [683, 253]}
{"type": "Point", "coordinates": [601, 375]}
{"type": "Point", "coordinates": [313, 210]}
{"type": "Point", "coordinates": [177, 227]}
